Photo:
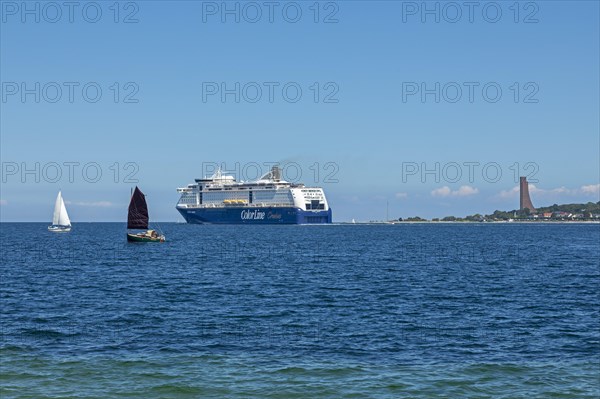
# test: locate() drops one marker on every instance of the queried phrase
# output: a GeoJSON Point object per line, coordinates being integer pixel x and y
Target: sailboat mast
{"type": "Point", "coordinates": [60, 207]}
{"type": "Point", "coordinates": [130, 199]}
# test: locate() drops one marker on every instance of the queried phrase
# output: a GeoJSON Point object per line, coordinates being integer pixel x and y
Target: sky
{"type": "Point", "coordinates": [395, 108]}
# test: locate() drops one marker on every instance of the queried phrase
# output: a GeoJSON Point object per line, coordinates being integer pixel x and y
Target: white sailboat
{"type": "Point", "coordinates": [60, 220]}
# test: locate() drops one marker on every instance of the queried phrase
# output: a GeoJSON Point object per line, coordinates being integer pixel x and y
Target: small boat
{"type": "Point", "coordinates": [60, 219]}
{"type": "Point", "coordinates": [137, 219]}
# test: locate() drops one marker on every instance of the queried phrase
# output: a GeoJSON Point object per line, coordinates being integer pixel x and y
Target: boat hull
{"type": "Point", "coordinates": [254, 215]}
{"type": "Point", "coordinates": [59, 229]}
{"type": "Point", "coordinates": [144, 238]}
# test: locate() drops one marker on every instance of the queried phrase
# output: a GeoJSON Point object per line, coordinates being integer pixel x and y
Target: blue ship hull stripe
{"type": "Point", "coordinates": [254, 215]}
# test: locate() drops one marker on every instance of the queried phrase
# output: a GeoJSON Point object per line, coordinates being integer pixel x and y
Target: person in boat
{"type": "Point", "coordinates": [152, 234]}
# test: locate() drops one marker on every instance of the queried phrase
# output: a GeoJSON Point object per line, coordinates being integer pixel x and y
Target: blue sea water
{"type": "Point", "coordinates": [340, 311]}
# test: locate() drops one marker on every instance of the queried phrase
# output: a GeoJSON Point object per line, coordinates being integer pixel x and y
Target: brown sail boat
{"type": "Point", "coordinates": [137, 219]}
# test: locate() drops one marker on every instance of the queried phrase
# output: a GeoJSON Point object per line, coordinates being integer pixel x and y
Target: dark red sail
{"type": "Point", "coordinates": [137, 218]}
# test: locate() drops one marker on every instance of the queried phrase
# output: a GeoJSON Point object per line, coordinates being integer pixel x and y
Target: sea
{"type": "Point", "coordinates": [422, 310]}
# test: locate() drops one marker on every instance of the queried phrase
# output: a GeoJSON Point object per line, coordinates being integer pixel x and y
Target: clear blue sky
{"type": "Point", "coordinates": [374, 54]}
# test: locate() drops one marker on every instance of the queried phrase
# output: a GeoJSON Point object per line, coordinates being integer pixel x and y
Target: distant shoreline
{"type": "Point", "coordinates": [475, 222]}
{"type": "Point", "coordinates": [361, 223]}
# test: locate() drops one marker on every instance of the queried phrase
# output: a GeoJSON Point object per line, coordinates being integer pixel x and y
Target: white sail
{"type": "Point", "coordinates": [56, 209]}
{"type": "Point", "coordinates": [63, 218]}
{"type": "Point", "coordinates": [60, 217]}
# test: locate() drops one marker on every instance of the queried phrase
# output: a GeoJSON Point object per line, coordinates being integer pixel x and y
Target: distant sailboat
{"type": "Point", "coordinates": [60, 220]}
{"type": "Point", "coordinates": [137, 219]}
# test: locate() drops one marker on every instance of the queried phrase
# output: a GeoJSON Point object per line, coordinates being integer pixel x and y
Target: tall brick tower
{"type": "Point", "coordinates": [524, 200]}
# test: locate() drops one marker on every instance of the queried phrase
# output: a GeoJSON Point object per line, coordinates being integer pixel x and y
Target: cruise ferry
{"type": "Point", "coordinates": [220, 199]}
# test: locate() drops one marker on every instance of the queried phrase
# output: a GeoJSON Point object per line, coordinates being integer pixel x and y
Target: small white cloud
{"type": "Point", "coordinates": [3, 202]}
{"type": "Point", "coordinates": [97, 204]}
{"type": "Point", "coordinates": [562, 190]}
{"type": "Point", "coordinates": [512, 193]}
{"type": "Point", "coordinates": [441, 192]}
{"type": "Point", "coordinates": [591, 189]}
{"type": "Point", "coordinates": [463, 191]}
{"type": "Point", "coordinates": [533, 189]}
{"type": "Point", "coordinates": [401, 195]}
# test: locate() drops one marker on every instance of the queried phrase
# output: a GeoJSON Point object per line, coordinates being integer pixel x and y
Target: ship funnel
{"type": "Point", "coordinates": [276, 173]}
